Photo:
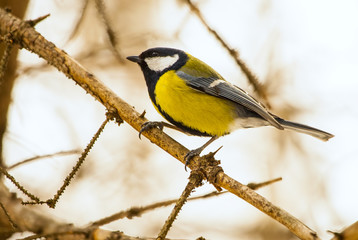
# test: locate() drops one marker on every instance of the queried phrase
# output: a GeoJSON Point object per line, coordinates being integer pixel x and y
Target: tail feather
{"type": "Point", "coordinates": [298, 127]}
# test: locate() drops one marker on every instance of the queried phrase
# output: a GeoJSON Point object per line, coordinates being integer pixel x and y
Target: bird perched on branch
{"type": "Point", "coordinates": [197, 100]}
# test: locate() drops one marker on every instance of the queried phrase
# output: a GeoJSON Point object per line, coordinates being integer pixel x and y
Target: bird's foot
{"type": "Point", "coordinates": [190, 155]}
{"type": "Point", "coordinates": [148, 125]}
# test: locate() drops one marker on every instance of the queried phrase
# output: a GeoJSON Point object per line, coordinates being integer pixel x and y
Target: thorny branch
{"type": "Point", "coordinates": [195, 180]}
{"type": "Point", "coordinates": [53, 201]}
{"type": "Point", "coordinates": [18, 185]}
{"type": "Point", "coordinates": [26, 37]}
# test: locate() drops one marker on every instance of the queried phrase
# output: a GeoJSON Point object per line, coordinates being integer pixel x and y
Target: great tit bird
{"type": "Point", "coordinates": [197, 100]}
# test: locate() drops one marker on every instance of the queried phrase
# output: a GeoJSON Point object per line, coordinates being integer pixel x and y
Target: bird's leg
{"type": "Point", "coordinates": [197, 151]}
{"type": "Point", "coordinates": [160, 125]}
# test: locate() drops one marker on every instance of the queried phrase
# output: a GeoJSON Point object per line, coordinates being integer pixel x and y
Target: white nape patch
{"type": "Point", "coordinates": [159, 63]}
{"type": "Point", "coordinates": [216, 82]}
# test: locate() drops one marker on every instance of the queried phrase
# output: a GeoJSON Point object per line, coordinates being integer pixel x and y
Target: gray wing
{"type": "Point", "coordinates": [221, 88]}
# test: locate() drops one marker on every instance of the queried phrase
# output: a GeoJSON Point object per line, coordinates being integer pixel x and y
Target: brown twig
{"type": "Point", "coordinates": [113, 40]}
{"type": "Point", "coordinates": [80, 20]}
{"type": "Point", "coordinates": [61, 153]}
{"type": "Point", "coordinates": [138, 211]}
{"type": "Point", "coordinates": [195, 180]}
{"type": "Point", "coordinates": [12, 223]}
{"type": "Point", "coordinates": [293, 224]}
{"type": "Point", "coordinates": [258, 87]}
{"type": "Point", "coordinates": [255, 186]}
{"type": "Point", "coordinates": [52, 202]}
{"type": "Point", "coordinates": [19, 186]}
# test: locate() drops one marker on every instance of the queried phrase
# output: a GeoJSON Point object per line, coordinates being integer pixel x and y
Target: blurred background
{"type": "Point", "coordinates": [305, 54]}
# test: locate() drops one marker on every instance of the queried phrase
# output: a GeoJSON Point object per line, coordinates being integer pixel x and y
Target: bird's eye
{"type": "Point", "coordinates": [155, 54]}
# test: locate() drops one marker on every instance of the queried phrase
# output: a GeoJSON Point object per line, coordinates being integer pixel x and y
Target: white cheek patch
{"type": "Point", "coordinates": [158, 64]}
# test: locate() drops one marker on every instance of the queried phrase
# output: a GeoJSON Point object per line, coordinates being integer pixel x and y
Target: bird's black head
{"type": "Point", "coordinates": [154, 62]}
{"type": "Point", "coordinates": [159, 60]}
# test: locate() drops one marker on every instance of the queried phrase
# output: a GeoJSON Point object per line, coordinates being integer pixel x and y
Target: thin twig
{"type": "Point", "coordinates": [195, 180]}
{"type": "Point", "coordinates": [18, 185]}
{"type": "Point", "coordinates": [255, 186]}
{"type": "Point", "coordinates": [52, 202]}
{"type": "Point", "coordinates": [80, 20]}
{"type": "Point", "coordinates": [138, 211]}
{"type": "Point", "coordinates": [113, 40]}
{"type": "Point", "coordinates": [41, 157]}
{"type": "Point", "coordinates": [258, 87]}
{"type": "Point", "coordinates": [12, 223]}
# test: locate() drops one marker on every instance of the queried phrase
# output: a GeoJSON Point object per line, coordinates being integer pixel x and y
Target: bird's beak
{"type": "Point", "coordinates": [135, 59]}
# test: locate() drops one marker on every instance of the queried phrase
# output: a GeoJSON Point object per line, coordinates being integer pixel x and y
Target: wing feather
{"type": "Point", "coordinates": [216, 86]}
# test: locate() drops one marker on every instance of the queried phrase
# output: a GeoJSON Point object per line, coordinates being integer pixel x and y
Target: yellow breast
{"type": "Point", "coordinates": [192, 108]}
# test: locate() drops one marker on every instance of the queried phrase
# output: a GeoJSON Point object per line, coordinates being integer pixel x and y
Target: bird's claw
{"type": "Point", "coordinates": [148, 125]}
{"type": "Point", "coordinates": [190, 155]}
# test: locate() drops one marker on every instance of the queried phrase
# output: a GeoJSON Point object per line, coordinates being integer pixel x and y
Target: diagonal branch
{"type": "Point", "coordinates": [28, 38]}
{"type": "Point", "coordinates": [293, 224]}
